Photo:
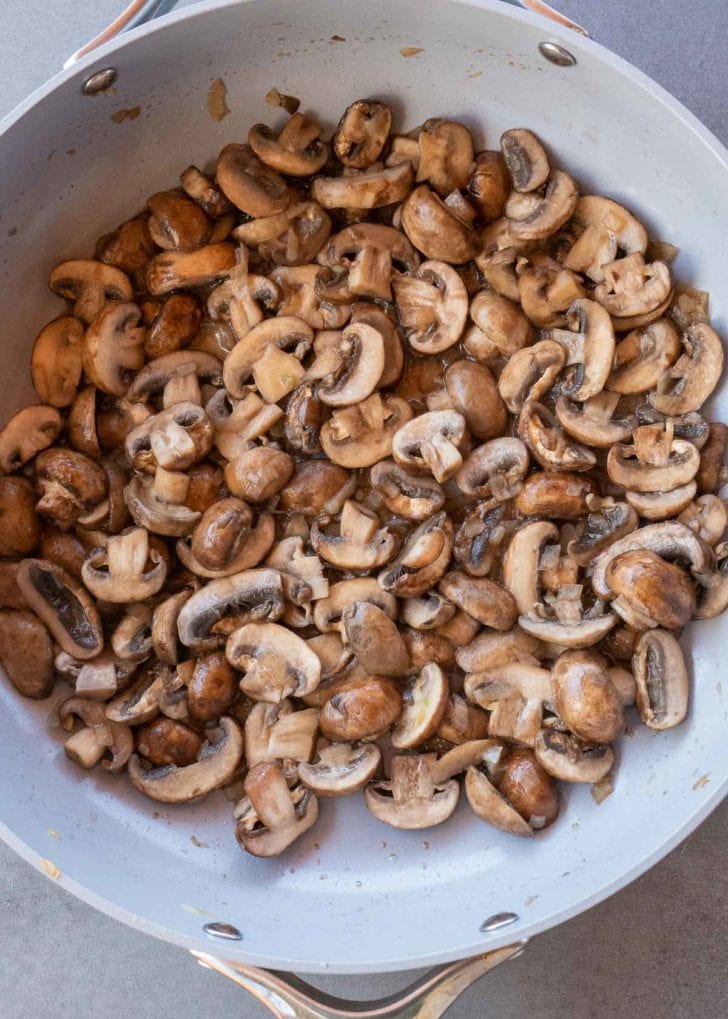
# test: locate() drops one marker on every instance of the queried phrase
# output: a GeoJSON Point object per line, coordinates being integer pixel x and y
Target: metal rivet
{"type": "Point", "coordinates": [556, 54]}
{"type": "Point", "coordinates": [99, 82]}
{"type": "Point", "coordinates": [224, 931]}
{"type": "Point", "coordinates": [498, 920]}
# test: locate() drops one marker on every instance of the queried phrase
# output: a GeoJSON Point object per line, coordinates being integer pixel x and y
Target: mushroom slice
{"type": "Point", "coordinates": [375, 639]}
{"type": "Point", "coordinates": [643, 357]}
{"type": "Point", "coordinates": [364, 253]}
{"type": "Point", "coordinates": [592, 423]}
{"type": "Point", "coordinates": [662, 505]}
{"type": "Point", "coordinates": [603, 227]}
{"type": "Point", "coordinates": [119, 573]}
{"type": "Point", "coordinates": [494, 470]}
{"type": "Point", "coordinates": [501, 328]}
{"type": "Point", "coordinates": [539, 429]}
{"type": "Point", "coordinates": [90, 285]}
{"type": "Point", "coordinates": [176, 222]}
{"type": "Point", "coordinates": [297, 150]}
{"type": "Point", "coordinates": [591, 350]}
{"type": "Point", "coordinates": [251, 186]}
{"type": "Point", "coordinates": [238, 423]}
{"type": "Point", "coordinates": [55, 364]}
{"type": "Point", "coordinates": [423, 560]}
{"type": "Point", "coordinates": [26, 653]}
{"type": "Point", "coordinates": [300, 287]}
{"type": "Point", "coordinates": [649, 591]}
{"type": "Point", "coordinates": [411, 799]}
{"type": "Point", "coordinates": [662, 680]}
{"type": "Point", "coordinates": [99, 735]}
{"type": "Point", "coordinates": [712, 459]}
{"type": "Point", "coordinates": [303, 579]}
{"type": "Point", "coordinates": [290, 238]}
{"type": "Point", "coordinates": [432, 306]}
{"type": "Point", "coordinates": [113, 347]}
{"type": "Point", "coordinates": [428, 611]}
{"type": "Point", "coordinates": [582, 633]}
{"type": "Point", "coordinates": [715, 597]}
{"type": "Point", "coordinates": [491, 649]}
{"type": "Point", "coordinates": [276, 662]}
{"type": "Point", "coordinates": [63, 605]}
{"type": "Point", "coordinates": [530, 373]}
{"type": "Point", "coordinates": [554, 494]}
{"type": "Point", "coordinates": [139, 703]}
{"type": "Point", "coordinates": [362, 133]}
{"type": "Point", "coordinates": [571, 759]}
{"type": "Point", "coordinates": [361, 543]}
{"type": "Point", "coordinates": [546, 290]}
{"type": "Point", "coordinates": [156, 503]}
{"type": "Point", "coordinates": [435, 230]}
{"type": "Point", "coordinates": [361, 435]}
{"type": "Point", "coordinates": [164, 635]}
{"type": "Point", "coordinates": [491, 806]}
{"type": "Point", "coordinates": [173, 373]}
{"type": "Point", "coordinates": [521, 562]}
{"type": "Point", "coordinates": [282, 331]}
{"type": "Point", "coordinates": [225, 603]}
{"type": "Point", "coordinates": [695, 374]}
{"type": "Point", "coordinates": [368, 189]}
{"type": "Point", "coordinates": [340, 769]}
{"type": "Point", "coordinates": [483, 599]}
{"type": "Point", "coordinates": [255, 544]}
{"type": "Point", "coordinates": [515, 694]}
{"type": "Point", "coordinates": [531, 217]}
{"type": "Point", "coordinates": [360, 707]}
{"type": "Point", "coordinates": [471, 390]}
{"type": "Point", "coordinates": [272, 815]}
{"type": "Point", "coordinates": [277, 732]}
{"type": "Point", "coordinates": [585, 698]}
{"type": "Point", "coordinates": [71, 487]}
{"type": "Point", "coordinates": [641, 473]}
{"type": "Point", "coordinates": [631, 287]}
{"type": "Point", "coordinates": [202, 189]}
{"type": "Point", "coordinates": [608, 522]}
{"type": "Point", "coordinates": [707, 516]}
{"type": "Point", "coordinates": [424, 701]}
{"type": "Point", "coordinates": [28, 432]}
{"type": "Point", "coordinates": [525, 158]}
{"type": "Point", "coordinates": [173, 270]}
{"type": "Point", "coordinates": [407, 495]}
{"type": "Point", "coordinates": [218, 761]}
{"type": "Point", "coordinates": [489, 184]}
{"type": "Point", "coordinates": [131, 640]}
{"type": "Point", "coordinates": [446, 155]}
{"type": "Point", "coordinates": [358, 363]}
{"type": "Point", "coordinates": [174, 439]}
{"type": "Point", "coordinates": [430, 442]}
{"type": "Point", "coordinates": [328, 612]}
{"type": "Point", "coordinates": [372, 315]}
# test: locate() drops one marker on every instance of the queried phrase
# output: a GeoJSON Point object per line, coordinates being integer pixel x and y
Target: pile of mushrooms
{"type": "Point", "coordinates": [370, 464]}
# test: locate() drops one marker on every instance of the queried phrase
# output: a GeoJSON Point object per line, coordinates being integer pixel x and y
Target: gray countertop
{"type": "Point", "coordinates": [657, 949]}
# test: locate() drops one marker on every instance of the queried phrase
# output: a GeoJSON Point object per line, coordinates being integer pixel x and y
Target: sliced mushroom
{"type": "Point", "coordinates": [176, 222]}
{"type": "Point", "coordinates": [471, 390]}
{"type": "Point", "coordinates": [63, 606]}
{"type": "Point", "coordinates": [592, 421]}
{"type": "Point", "coordinates": [521, 562]}
{"type": "Point", "coordinates": [643, 357]}
{"type": "Point", "coordinates": [583, 632]}
{"type": "Point", "coordinates": [515, 694]}
{"type": "Point", "coordinates": [277, 732]}
{"type": "Point", "coordinates": [119, 573]}
{"type": "Point", "coordinates": [361, 543]}
{"type": "Point", "coordinates": [328, 612]}
{"type": "Point", "coordinates": [290, 238]}
{"type": "Point", "coordinates": [175, 375]}
{"type": "Point", "coordinates": [662, 505]}
{"type": "Point", "coordinates": [367, 189]}
{"type": "Point", "coordinates": [650, 591]}
{"type": "Point", "coordinates": [228, 602]}
{"type": "Point", "coordinates": [424, 701]}
{"type": "Point", "coordinates": [695, 374]}
{"type": "Point", "coordinates": [662, 680]}
{"type": "Point", "coordinates": [525, 158]}
{"type": "Point", "coordinates": [297, 150]}
{"type": "Point", "coordinates": [272, 815]}
{"type": "Point", "coordinates": [98, 736]}
{"type": "Point", "coordinates": [217, 763]}
{"type": "Point", "coordinates": [491, 807]}
{"type": "Point", "coordinates": [153, 506]}
{"type": "Point", "coordinates": [26, 653]}
{"type": "Point", "coordinates": [428, 611]}
{"type": "Point", "coordinates": [113, 347]}
{"type": "Point", "coordinates": [489, 184]}
{"type": "Point", "coordinates": [372, 315]}
{"type": "Point", "coordinates": [707, 516]}
{"type": "Point", "coordinates": [276, 662]}
{"type": "Point", "coordinates": [532, 216]}
{"type": "Point", "coordinates": [712, 458]}
{"type": "Point", "coordinates": [55, 364]}
{"type": "Point", "coordinates": [90, 285]}
{"type": "Point", "coordinates": [423, 560]}
{"type": "Point", "coordinates": [361, 435]}
{"type": "Point", "coordinates": [631, 287]}
{"type": "Point", "coordinates": [494, 470]}
{"type": "Point", "coordinates": [131, 640]}
{"type": "Point", "coordinates": [362, 133]}
{"type": "Point", "coordinates": [251, 186]}
{"type": "Point", "coordinates": [355, 362]}
{"type": "Point", "coordinates": [407, 495]}
{"type": "Point", "coordinates": [375, 639]}
{"type": "Point", "coordinates": [212, 688]}
{"type": "Point", "coordinates": [554, 450]}
{"type": "Point", "coordinates": [435, 230]}
{"type": "Point", "coordinates": [411, 799]}
{"type": "Point", "coordinates": [432, 306]}
{"type": "Point", "coordinates": [165, 741]}
{"type": "Point", "coordinates": [590, 349]}
{"type": "Point", "coordinates": [491, 649]}
{"type": "Point", "coordinates": [340, 769]}
{"type": "Point", "coordinates": [558, 494]}
{"type": "Point", "coordinates": [530, 373]}
{"type": "Point", "coordinates": [604, 227]}
{"type": "Point", "coordinates": [70, 484]}
{"type": "Point", "coordinates": [200, 187]}
{"type": "Point", "coordinates": [259, 473]}
{"type": "Point", "coordinates": [300, 286]}
{"type": "Point", "coordinates": [571, 759]}
{"type": "Point", "coordinates": [360, 260]}
{"type": "Point", "coordinates": [483, 599]}
{"type": "Point", "coordinates": [528, 788]}
{"type": "Point", "coordinates": [446, 155]}
{"type": "Point", "coordinates": [282, 331]}
{"type": "Point", "coordinates": [361, 708]}
{"type": "Point", "coordinates": [608, 522]}
{"type": "Point", "coordinates": [173, 270]}
{"type": "Point", "coordinates": [546, 290]}
{"type": "Point", "coordinates": [431, 442]}
{"type": "Point", "coordinates": [28, 432]}
{"type": "Point", "coordinates": [501, 328]}
{"type": "Point", "coordinates": [585, 698]}
{"type": "Point", "coordinates": [651, 471]}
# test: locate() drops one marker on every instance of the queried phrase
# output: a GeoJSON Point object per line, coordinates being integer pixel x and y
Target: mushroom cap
{"type": "Point", "coordinates": [521, 562]}
{"type": "Point", "coordinates": [585, 698]}
{"type": "Point", "coordinates": [217, 764]}
{"type": "Point", "coordinates": [491, 806]}
{"type": "Point", "coordinates": [172, 270]}
{"type": "Point", "coordinates": [583, 634]}
{"type": "Point", "coordinates": [529, 373]}
{"type": "Point", "coordinates": [502, 327]}
{"type": "Point", "coordinates": [494, 470]}
{"type": "Point", "coordinates": [341, 769]}
{"type": "Point", "coordinates": [525, 158]}
{"type": "Point", "coordinates": [63, 605]}
{"type": "Point", "coordinates": [662, 680]}
{"type": "Point", "coordinates": [529, 788]}
{"type": "Point", "coordinates": [432, 306]}
{"type": "Point", "coordinates": [559, 494]}
{"type": "Point", "coordinates": [360, 435]}
{"type": "Point", "coordinates": [176, 222]}
{"type": "Point", "coordinates": [545, 439]}
{"type": "Point", "coordinates": [156, 374]}
{"type": "Point", "coordinates": [473, 392]}
{"type": "Point", "coordinates": [297, 150]}
{"type": "Point", "coordinates": [273, 816]}
{"type": "Point", "coordinates": [277, 662]}
{"type": "Point", "coordinates": [90, 284]}
{"type": "Point", "coordinates": [361, 708]}
{"type": "Point", "coordinates": [624, 468]}
{"type": "Point", "coordinates": [28, 432]}
{"type": "Point", "coordinates": [446, 154]}
{"type": "Point", "coordinates": [411, 799]}
{"type": "Point", "coordinates": [691, 380]}
{"type": "Point", "coordinates": [435, 230]}
{"type": "Point", "coordinates": [148, 510]}
{"type": "Point", "coordinates": [55, 364]}
{"type": "Point", "coordinates": [663, 505]}
{"type": "Point", "coordinates": [430, 442]}
{"type": "Point", "coordinates": [26, 653]}
{"type": "Point", "coordinates": [251, 186]}
{"type": "Point", "coordinates": [591, 422]}
{"type": "Point", "coordinates": [659, 591]}
{"type": "Point", "coordinates": [483, 599]}
{"type": "Point", "coordinates": [374, 638]}
{"type": "Point", "coordinates": [492, 648]}
{"type": "Point", "coordinates": [424, 701]}
{"type": "Point", "coordinates": [249, 595]}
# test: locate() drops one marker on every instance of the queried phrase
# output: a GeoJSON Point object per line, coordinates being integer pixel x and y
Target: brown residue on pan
{"type": "Point", "coordinates": [289, 103]}
{"type": "Point", "coordinates": [129, 114]}
{"type": "Point", "coordinates": [196, 842]}
{"type": "Point", "coordinates": [50, 868]}
{"type": "Point", "coordinates": [702, 781]}
{"type": "Point", "coordinates": [475, 74]}
{"type": "Point", "coordinates": [217, 99]}
{"type": "Point", "coordinates": [410, 51]}
{"type": "Point", "coordinates": [337, 38]}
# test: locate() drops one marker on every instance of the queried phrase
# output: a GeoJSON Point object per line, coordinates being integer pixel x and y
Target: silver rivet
{"type": "Point", "coordinates": [556, 54]}
{"type": "Point", "coordinates": [498, 920]}
{"type": "Point", "coordinates": [99, 82]}
{"type": "Point", "coordinates": [224, 931]}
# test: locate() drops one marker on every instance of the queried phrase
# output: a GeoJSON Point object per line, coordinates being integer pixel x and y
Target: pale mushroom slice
{"type": "Point", "coordinates": [63, 605]}
{"type": "Point", "coordinates": [424, 700]}
{"type": "Point", "coordinates": [707, 516]}
{"type": "Point", "coordinates": [525, 799]}
{"type": "Point", "coordinates": [361, 435]}
{"type": "Point", "coordinates": [90, 285]}
{"type": "Point", "coordinates": [112, 347]}
{"type": "Point", "coordinates": [604, 227]}
{"type": "Point", "coordinates": [522, 562]}
{"type": "Point", "coordinates": [361, 544]}
{"type": "Point", "coordinates": [98, 736]}
{"type": "Point", "coordinates": [375, 639]}
{"type": "Point", "coordinates": [411, 799]}
{"type": "Point", "coordinates": [297, 150]}
{"type": "Point", "coordinates": [632, 287]}
{"type": "Point", "coordinates": [546, 290]}
{"type": "Point", "coordinates": [73, 488]}
{"type": "Point", "coordinates": [550, 446]}
{"type": "Point", "coordinates": [367, 189]}
{"type": "Point", "coordinates": [299, 286]}
{"type": "Point", "coordinates": [276, 662]}
{"type": "Point", "coordinates": [581, 632]}
{"type": "Point", "coordinates": [173, 270]}
{"type": "Point", "coordinates": [218, 761]}
{"type": "Point", "coordinates": [362, 133]}
{"type": "Point", "coordinates": [534, 216]}
{"type": "Point", "coordinates": [178, 376]}
{"type": "Point", "coordinates": [500, 327]}
{"type": "Point", "coordinates": [120, 572]}
{"type": "Point", "coordinates": [493, 648]}
{"type": "Point", "coordinates": [654, 462]}
{"type": "Point", "coordinates": [351, 367]}
{"type": "Point", "coordinates": [423, 560]}
{"type": "Point", "coordinates": [139, 702]}
{"type": "Point", "coordinates": [530, 373]}
{"type": "Point", "coordinates": [592, 422]}
{"type": "Point", "coordinates": [607, 522]}
{"type": "Point", "coordinates": [427, 612]}
{"type": "Point", "coordinates": [446, 154]}
{"type": "Point", "coordinates": [340, 769]}
{"type": "Point", "coordinates": [436, 230]}
{"type": "Point", "coordinates": [431, 441]}
{"type": "Point", "coordinates": [282, 331]}
{"type": "Point", "coordinates": [157, 503]}
{"type": "Point", "coordinates": [589, 345]}
{"type": "Point", "coordinates": [302, 577]}
{"type": "Point", "coordinates": [432, 306]}
{"type": "Point", "coordinates": [277, 732]}
{"type": "Point", "coordinates": [491, 807]}
{"type": "Point", "coordinates": [55, 363]}
{"type": "Point", "coordinates": [515, 694]}
{"type": "Point", "coordinates": [225, 603]}
{"type": "Point", "coordinates": [693, 377]}
{"type": "Point", "coordinates": [328, 612]}
{"type": "Point", "coordinates": [361, 260]}
{"type": "Point", "coordinates": [29, 431]}
{"type": "Point", "coordinates": [273, 814]}
{"type": "Point", "coordinates": [571, 759]}
{"type": "Point", "coordinates": [663, 505]}
{"type": "Point", "coordinates": [525, 158]}
{"type": "Point", "coordinates": [643, 357]}
{"type": "Point", "coordinates": [494, 470]}
{"type": "Point", "coordinates": [406, 494]}
{"type": "Point", "coordinates": [585, 697]}
{"type": "Point", "coordinates": [662, 680]}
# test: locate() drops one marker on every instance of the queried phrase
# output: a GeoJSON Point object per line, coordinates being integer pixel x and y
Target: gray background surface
{"type": "Point", "coordinates": [657, 950]}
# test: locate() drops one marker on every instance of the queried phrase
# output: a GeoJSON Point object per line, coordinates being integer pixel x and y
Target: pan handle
{"type": "Point", "coordinates": [287, 997]}
{"type": "Point", "coordinates": [140, 11]}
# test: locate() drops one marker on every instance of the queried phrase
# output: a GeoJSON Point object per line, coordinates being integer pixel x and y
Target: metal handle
{"type": "Point", "coordinates": [287, 997]}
